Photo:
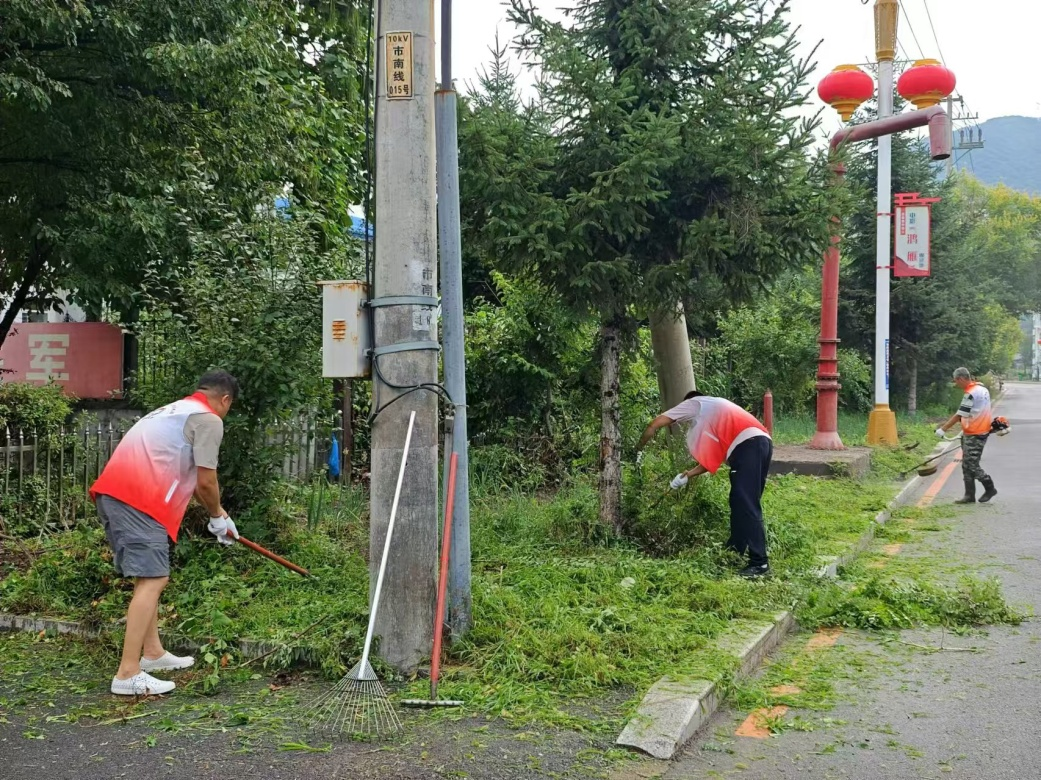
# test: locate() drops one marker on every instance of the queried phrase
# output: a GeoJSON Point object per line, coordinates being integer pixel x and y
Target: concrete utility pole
{"type": "Point", "coordinates": [405, 353]}
{"type": "Point", "coordinates": [882, 421]}
{"type": "Point", "coordinates": [672, 359]}
{"type": "Point", "coordinates": [459, 599]}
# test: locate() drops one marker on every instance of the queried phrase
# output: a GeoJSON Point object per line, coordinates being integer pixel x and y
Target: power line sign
{"type": "Point", "coordinates": [912, 250]}
{"type": "Point", "coordinates": [399, 66]}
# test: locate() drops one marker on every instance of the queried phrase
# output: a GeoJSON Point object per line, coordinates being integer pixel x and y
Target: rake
{"type": "Point", "coordinates": [359, 705]}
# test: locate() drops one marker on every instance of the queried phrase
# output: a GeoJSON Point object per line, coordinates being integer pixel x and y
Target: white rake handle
{"type": "Point", "coordinates": [386, 547]}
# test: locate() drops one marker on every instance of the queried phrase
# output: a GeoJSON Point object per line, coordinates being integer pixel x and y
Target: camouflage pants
{"type": "Point", "coordinates": [972, 451]}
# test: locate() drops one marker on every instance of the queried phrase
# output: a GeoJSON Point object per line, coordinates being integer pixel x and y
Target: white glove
{"type": "Point", "coordinates": [680, 480]}
{"type": "Point", "coordinates": [941, 433]}
{"type": "Point", "coordinates": [639, 457]}
{"type": "Point", "coordinates": [224, 529]}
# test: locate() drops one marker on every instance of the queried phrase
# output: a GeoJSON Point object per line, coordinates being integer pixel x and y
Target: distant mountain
{"type": "Point", "coordinates": [1011, 153]}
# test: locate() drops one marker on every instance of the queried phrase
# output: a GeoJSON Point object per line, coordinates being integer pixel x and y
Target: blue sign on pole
{"type": "Point", "coordinates": [887, 365]}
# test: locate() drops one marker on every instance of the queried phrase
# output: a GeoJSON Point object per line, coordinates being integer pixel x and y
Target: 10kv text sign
{"type": "Point", "coordinates": [399, 66]}
{"type": "Point", "coordinates": [912, 255]}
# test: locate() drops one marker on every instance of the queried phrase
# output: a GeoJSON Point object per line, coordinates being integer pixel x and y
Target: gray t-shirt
{"type": "Point", "coordinates": [204, 431]}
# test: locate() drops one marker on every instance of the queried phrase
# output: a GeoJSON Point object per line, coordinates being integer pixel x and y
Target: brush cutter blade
{"type": "Point", "coordinates": [928, 471]}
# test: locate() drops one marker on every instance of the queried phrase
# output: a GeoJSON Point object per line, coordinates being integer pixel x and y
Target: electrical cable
{"type": "Point", "coordinates": [914, 35]}
{"type": "Point", "coordinates": [935, 38]}
{"type": "Point", "coordinates": [903, 51]}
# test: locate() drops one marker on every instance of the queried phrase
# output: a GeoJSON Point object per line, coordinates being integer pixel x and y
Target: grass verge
{"type": "Point", "coordinates": [566, 617]}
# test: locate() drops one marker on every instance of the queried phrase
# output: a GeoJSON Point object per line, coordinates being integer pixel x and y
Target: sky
{"type": "Point", "coordinates": [990, 51]}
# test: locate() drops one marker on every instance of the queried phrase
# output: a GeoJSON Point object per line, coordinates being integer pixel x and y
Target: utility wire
{"type": "Point", "coordinates": [935, 37]}
{"type": "Point", "coordinates": [907, 19]}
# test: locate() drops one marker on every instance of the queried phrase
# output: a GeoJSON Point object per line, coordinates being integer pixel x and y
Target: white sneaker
{"type": "Point", "coordinates": [141, 684]}
{"type": "Point", "coordinates": [166, 662]}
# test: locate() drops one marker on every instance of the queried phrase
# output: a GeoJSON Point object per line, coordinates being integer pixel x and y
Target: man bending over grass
{"type": "Point", "coordinates": [719, 431]}
{"type": "Point", "coordinates": [142, 494]}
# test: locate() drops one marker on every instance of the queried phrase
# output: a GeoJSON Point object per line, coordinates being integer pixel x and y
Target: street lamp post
{"type": "Point", "coordinates": [827, 435]}
{"type": "Point", "coordinates": [882, 421]}
{"type": "Point", "coordinates": [846, 88]}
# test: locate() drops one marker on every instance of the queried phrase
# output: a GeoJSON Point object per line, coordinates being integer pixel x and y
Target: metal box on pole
{"type": "Point", "coordinates": [346, 335]}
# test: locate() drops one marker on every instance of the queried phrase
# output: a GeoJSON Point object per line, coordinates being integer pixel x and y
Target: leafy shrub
{"type": "Point", "coordinates": [249, 305]}
{"type": "Point", "coordinates": [773, 345]}
{"type": "Point", "coordinates": [34, 505]}
{"type": "Point", "coordinates": [857, 382]}
{"type": "Point", "coordinates": [32, 408]}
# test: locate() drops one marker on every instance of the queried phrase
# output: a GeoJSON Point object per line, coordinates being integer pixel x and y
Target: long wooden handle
{"type": "Point", "coordinates": [276, 558]}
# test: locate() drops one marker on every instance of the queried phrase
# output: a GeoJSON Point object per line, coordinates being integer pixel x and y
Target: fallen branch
{"type": "Point", "coordinates": [274, 650]}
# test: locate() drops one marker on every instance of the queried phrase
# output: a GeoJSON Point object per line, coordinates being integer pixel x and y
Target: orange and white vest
{"type": "Point", "coordinates": [975, 410]}
{"type": "Point", "coordinates": [153, 468]}
{"type": "Point", "coordinates": [720, 427]}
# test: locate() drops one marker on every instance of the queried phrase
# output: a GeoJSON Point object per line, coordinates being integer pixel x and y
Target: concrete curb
{"type": "Point", "coordinates": [674, 710]}
{"type": "Point", "coordinates": [831, 566]}
{"type": "Point", "coordinates": [249, 648]}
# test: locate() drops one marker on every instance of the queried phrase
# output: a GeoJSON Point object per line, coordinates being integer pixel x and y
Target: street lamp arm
{"type": "Point", "coordinates": [827, 435]}
{"type": "Point", "coordinates": [935, 118]}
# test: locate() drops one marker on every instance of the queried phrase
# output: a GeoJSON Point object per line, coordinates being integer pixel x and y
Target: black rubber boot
{"type": "Point", "coordinates": [970, 493]}
{"type": "Point", "coordinates": [988, 490]}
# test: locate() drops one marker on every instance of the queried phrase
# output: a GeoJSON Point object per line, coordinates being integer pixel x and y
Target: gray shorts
{"type": "Point", "coordinates": [140, 545]}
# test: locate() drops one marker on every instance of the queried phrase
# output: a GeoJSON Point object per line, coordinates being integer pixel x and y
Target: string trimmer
{"type": "Point", "coordinates": [924, 468]}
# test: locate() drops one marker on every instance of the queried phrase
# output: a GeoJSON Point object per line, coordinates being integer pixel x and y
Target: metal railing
{"type": "Point", "coordinates": [46, 475]}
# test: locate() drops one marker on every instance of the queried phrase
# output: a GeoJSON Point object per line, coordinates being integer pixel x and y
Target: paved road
{"type": "Point", "coordinates": [930, 715]}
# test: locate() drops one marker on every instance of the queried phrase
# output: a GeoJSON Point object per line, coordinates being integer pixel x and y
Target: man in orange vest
{"type": "Point", "coordinates": [975, 417]}
{"type": "Point", "coordinates": [720, 432]}
{"type": "Point", "coordinates": [168, 456]}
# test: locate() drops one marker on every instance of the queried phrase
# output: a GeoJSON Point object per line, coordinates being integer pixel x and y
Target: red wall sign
{"type": "Point", "coordinates": [85, 358]}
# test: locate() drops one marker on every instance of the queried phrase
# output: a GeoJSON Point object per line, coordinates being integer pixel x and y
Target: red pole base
{"type": "Point", "coordinates": [826, 440]}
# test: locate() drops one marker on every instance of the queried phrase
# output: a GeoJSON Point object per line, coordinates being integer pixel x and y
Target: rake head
{"type": "Point", "coordinates": [357, 708]}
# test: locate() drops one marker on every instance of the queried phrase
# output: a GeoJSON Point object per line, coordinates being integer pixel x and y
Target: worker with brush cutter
{"type": "Point", "coordinates": [719, 431]}
{"type": "Point", "coordinates": [142, 494]}
{"type": "Point", "coordinates": [976, 418]}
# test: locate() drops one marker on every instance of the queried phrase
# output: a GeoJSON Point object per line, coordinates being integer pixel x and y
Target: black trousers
{"type": "Point", "coordinates": [749, 466]}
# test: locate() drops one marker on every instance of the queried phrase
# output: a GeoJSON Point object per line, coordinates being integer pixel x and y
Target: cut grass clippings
{"type": "Point", "coordinates": [564, 614]}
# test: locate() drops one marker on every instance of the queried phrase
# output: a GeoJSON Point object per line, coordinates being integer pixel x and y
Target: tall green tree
{"type": "Point", "coordinates": [107, 106]}
{"type": "Point", "coordinates": [661, 153]}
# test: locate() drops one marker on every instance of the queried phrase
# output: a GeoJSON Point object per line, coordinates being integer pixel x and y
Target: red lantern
{"type": "Point", "coordinates": [845, 88]}
{"type": "Point", "coordinates": [926, 84]}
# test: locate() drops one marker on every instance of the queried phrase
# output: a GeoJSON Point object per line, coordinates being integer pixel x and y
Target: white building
{"type": "Point", "coordinates": [66, 312]}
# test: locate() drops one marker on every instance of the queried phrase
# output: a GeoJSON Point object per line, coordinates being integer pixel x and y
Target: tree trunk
{"type": "Point", "coordinates": [672, 361]}
{"type": "Point", "coordinates": [33, 268]}
{"type": "Point", "coordinates": [912, 388]}
{"type": "Point", "coordinates": [610, 427]}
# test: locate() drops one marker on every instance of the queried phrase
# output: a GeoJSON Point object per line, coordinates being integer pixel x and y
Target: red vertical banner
{"type": "Point", "coordinates": [912, 235]}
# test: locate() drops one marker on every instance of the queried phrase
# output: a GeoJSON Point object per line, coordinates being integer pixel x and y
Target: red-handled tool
{"type": "Point", "coordinates": [276, 558]}
{"type": "Point", "coordinates": [442, 589]}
